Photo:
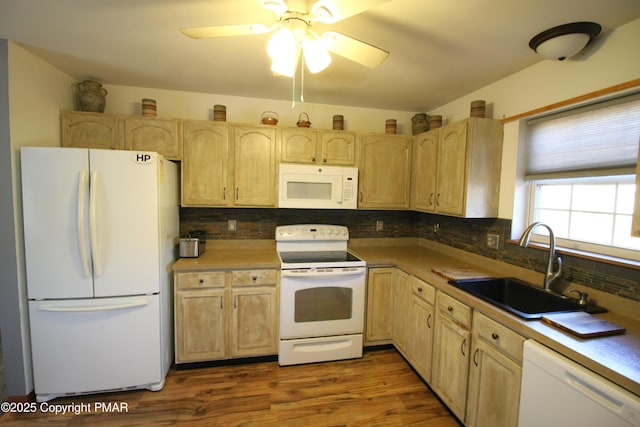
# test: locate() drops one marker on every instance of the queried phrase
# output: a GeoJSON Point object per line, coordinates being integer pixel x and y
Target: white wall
{"type": "Point", "coordinates": [190, 105]}
{"type": "Point", "coordinates": [36, 94]}
{"type": "Point", "coordinates": [612, 59]}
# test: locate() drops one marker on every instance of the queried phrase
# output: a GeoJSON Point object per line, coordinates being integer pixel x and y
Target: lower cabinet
{"type": "Point", "coordinates": [495, 374]}
{"type": "Point", "coordinates": [225, 314]}
{"type": "Point", "coordinates": [452, 344]}
{"type": "Point", "coordinates": [379, 321]}
{"type": "Point", "coordinates": [421, 324]}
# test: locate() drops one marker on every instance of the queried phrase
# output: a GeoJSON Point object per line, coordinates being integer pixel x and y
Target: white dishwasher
{"type": "Point", "coordinates": [556, 391]}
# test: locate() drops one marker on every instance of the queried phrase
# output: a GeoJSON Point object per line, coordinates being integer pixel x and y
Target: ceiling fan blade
{"type": "Point", "coordinates": [224, 31]}
{"type": "Point", "coordinates": [330, 11]}
{"type": "Point", "coordinates": [355, 50]}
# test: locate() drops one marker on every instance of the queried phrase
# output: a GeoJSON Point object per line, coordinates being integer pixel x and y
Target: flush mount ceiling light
{"type": "Point", "coordinates": [564, 41]}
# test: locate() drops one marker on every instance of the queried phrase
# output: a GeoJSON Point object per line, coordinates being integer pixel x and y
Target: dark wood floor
{"type": "Point", "coordinates": [378, 390]}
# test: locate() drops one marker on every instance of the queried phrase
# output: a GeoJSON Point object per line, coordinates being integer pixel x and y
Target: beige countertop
{"type": "Point", "coordinates": [616, 357]}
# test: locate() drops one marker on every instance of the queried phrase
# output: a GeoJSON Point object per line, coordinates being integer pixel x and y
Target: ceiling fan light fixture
{"type": "Point", "coordinates": [564, 41]}
{"type": "Point", "coordinates": [315, 55]}
{"type": "Point", "coordinates": [322, 11]}
{"type": "Point", "coordinates": [276, 6]}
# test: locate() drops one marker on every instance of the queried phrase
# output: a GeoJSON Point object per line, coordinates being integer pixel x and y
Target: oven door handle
{"type": "Point", "coordinates": [323, 272]}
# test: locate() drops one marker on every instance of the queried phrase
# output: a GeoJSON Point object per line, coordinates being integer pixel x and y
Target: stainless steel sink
{"type": "Point", "coordinates": [517, 297]}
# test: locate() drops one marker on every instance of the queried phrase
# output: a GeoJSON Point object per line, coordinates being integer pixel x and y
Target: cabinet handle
{"type": "Point", "coordinates": [495, 336]}
{"type": "Point", "coordinates": [224, 193]}
{"type": "Point", "coordinates": [429, 321]}
{"type": "Point", "coordinates": [438, 199]}
{"type": "Point", "coordinates": [462, 347]}
{"type": "Point", "coordinates": [475, 357]}
{"type": "Point", "coordinates": [235, 302]}
{"type": "Point", "coordinates": [237, 193]}
{"type": "Point", "coordinates": [430, 199]}
{"type": "Point", "coordinates": [221, 302]}
{"type": "Point", "coordinates": [361, 197]}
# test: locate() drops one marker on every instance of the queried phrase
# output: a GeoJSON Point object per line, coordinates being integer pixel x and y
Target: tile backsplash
{"type": "Point", "coordinates": [466, 234]}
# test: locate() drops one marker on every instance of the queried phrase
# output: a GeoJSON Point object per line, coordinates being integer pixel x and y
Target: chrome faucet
{"type": "Point", "coordinates": [550, 277]}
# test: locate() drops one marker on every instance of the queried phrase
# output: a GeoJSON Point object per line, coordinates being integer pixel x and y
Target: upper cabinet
{"type": "Point", "coordinates": [89, 130]}
{"type": "Point", "coordinates": [204, 164]}
{"type": "Point", "coordinates": [152, 134]}
{"type": "Point", "coordinates": [385, 171]}
{"type": "Point", "coordinates": [456, 169]}
{"type": "Point", "coordinates": [303, 145]}
{"type": "Point", "coordinates": [226, 166]}
{"type": "Point", "coordinates": [107, 131]}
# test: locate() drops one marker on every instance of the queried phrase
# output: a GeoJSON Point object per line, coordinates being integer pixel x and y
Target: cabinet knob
{"type": "Point", "coordinates": [495, 336]}
{"type": "Point", "coordinates": [313, 159]}
{"type": "Point", "coordinates": [201, 281]}
{"type": "Point", "coordinates": [420, 290]}
{"type": "Point", "coordinates": [254, 278]}
{"type": "Point", "coordinates": [324, 160]}
{"type": "Point", "coordinates": [449, 308]}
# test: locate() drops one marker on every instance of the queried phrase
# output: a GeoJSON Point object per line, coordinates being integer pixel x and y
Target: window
{"type": "Point", "coordinates": [581, 167]}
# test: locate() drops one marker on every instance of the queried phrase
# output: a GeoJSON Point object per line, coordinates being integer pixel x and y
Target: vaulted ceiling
{"type": "Point", "coordinates": [439, 50]}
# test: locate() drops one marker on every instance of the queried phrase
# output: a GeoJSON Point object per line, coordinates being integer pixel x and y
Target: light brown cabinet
{"type": "Point", "coordinates": [380, 282]}
{"type": "Point", "coordinates": [89, 130]}
{"type": "Point", "coordinates": [456, 169]}
{"type": "Point", "coordinates": [401, 325]}
{"type": "Point", "coordinates": [451, 349]}
{"type": "Point", "coordinates": [422, 322]}
{"type": "Point", "coordinates": [302, 145]}
{"type": "Point", "coordinates": [495, 374]}
{"type": "Point", "coordinates": [163, 136]}
{"type": "Point", "coordinates": [385, 172]}
{"type": "Point", "coordinates": [225, 314]}
{"type": "Point", "coordinates": [228, 166]}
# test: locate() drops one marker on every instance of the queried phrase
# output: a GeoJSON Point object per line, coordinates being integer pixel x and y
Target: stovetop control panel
{"type": "Point", "coordinates": [310, 232]}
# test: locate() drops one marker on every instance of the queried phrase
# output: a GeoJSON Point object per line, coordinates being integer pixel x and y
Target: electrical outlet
{"type": "Point", "coordinates": [232, 225]}
{"type": "Point", "coordinates": [436, 228]}
{"type": "Point", "coordinates": [493, 241]}
{"type": "Point", "coordinates": [379, 225]}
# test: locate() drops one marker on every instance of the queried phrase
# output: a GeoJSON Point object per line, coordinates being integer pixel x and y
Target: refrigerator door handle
{"type": "Point", "coordinates": [93, 227]}
{"type": "Point", "coordinates": [83, 309]}
{"type": "Point", "coordinates": [83, 187]}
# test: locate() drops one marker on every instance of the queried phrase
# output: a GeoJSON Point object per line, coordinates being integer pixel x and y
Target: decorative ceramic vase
{"type": "Point", "coordinates": [91, 95]}
{"type": "Point", "coordinates": [419, 123]}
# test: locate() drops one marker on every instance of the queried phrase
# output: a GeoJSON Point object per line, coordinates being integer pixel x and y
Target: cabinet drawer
{"type": "Point", "coordinates": [504, 339]}
{"type": "Point", "coordinates": [200, 279]}
{"type": "Point", "coordinates": [254, 277]}
{"type": "Point", "coordinates": [454, 309]}
{"type": "Point", "coordinates": [423, 290]}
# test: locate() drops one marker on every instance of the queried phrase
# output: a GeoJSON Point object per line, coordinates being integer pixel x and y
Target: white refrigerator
{"type": "Point", "coordinates": [100, 234]}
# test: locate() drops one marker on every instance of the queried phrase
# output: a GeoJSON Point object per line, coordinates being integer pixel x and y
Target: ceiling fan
{"type": "Point", "coordinates": [293, 34]}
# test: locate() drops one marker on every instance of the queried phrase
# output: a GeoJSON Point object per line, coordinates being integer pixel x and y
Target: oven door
{"type": "Point", "coordinates": [321, 302]}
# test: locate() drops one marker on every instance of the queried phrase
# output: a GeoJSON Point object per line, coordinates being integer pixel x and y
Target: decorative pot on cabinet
{"type": "Point", "coordinates": [91, 95]}
{"type": "Point", "coordinates": [419, 123]}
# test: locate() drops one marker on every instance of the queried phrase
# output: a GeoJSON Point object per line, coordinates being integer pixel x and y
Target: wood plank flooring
{"type": "Point", "coordinates": [380, 389]}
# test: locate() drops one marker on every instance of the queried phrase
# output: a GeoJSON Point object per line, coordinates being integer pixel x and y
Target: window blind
{"type": "Point", "coordinates": [586, 140]}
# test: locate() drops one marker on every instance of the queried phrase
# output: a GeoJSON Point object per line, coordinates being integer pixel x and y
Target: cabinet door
{"type": "Point", "coordinates": [401, 315]}
{"type": "Point", "coordinates": [384, 172]}
{"type": "Point", "coordinates": [379, 305]}
{"type": "Point", "coordinates": [254, 322]}
{"type": "Point", "coordinates": [255, 167]}
{"type": "Point", "coordinates": [89, 130]}
{"type": "Point", "coordinates": [149, 134]}
{"type": "Point", "coordinates": [451, 175]}
{"type": "Point", "coordinates": [425, 161]}
{"type": "Point", "coordinates": [338, 148]}
{"type": "Point", "coordinates": [199, 325]}
{"type": "Point", "coordinates": [451, 364]}
{"type": "Point", "coordinates": [494, 389]}
{"type": "Point", "coordinates": [421, 344]}
{"type": "Point", "coordinates": [204, 165]}
{"type": "Point", "coordinates": [299, 146]}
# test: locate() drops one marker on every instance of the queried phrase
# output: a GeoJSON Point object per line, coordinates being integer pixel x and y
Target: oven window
{"type": "Point", "coordinates": [309, 190]}
{"type": "Point", "coordinates": [323, 303]}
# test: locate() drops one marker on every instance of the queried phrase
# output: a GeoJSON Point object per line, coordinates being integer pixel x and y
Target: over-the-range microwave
{"type": "Point", "coordinates": [317, 187]}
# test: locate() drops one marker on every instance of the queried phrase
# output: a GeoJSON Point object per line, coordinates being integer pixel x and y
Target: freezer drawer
{"type": "Point", "coordinates": [91, 345]}
{"type": "Point", "coordinates": [556, 391]}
